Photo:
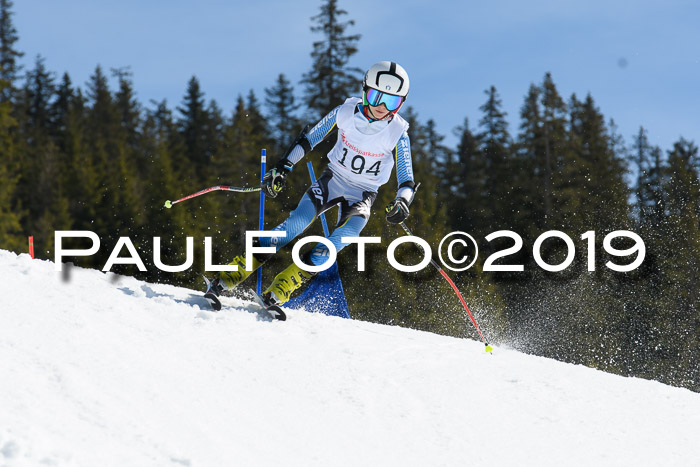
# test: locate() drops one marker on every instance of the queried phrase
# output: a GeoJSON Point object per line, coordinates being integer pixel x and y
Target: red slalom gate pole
{"type": "Point", "coordinates": [464, 303]}
{"type": "Point", "coordinates": [31, 246]}
{"type": "Point", "coordinates": [454, 287]}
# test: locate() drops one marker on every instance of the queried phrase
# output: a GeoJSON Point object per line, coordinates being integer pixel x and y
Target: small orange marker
{"type": "Point", "coordinates": [31, 246]}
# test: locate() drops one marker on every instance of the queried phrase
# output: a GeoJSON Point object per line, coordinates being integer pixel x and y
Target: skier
{"type": "Point", "coordinates": [371, 138]}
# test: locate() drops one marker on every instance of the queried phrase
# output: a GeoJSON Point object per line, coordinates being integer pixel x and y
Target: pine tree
{"type": "Point", "coordinates": [39, 92]}
{"type": "Point", "coordinates": [330, 80]}
{"type": "Point", "coordinates": [281, 106]}
{"type": "Point", "coordinates": [158, 131]}
{"type": "Point", "coordinates": [131, 158]}
{"type": "Point", "coordinates": [259, 123]}
{"type": "Point", "coordinates": [84, 188]}
{"type": "Point", "coordinates": [238, 165]}
{"type": "Point", "coordinates": [554, 141]}
{"type": "Point", "coordinates": [63, 112]}
{"type": "Point", "coordinates": [60, 108]}
{"type": "Point", "coordinates": [573, 177]}
{"type": "Point", "coordinates": [214, 137]}
{"type": "Point", "coordinates": [9, 68]}
{"type": "Point", "coordinates": [495, 147]}
{"type": "Point", "coordinates": [656, 195]}
{"type": "Point", "coordinates": [194, 124]}
{"type": "Point", "coordinates": [42, 185]}
{"type": "Point", "coordinates": [103, 113]}
{"type": "Point", "coordinates": [594, 172]}
{"type": "Point", "coordinates": [171, 139]}
{"type": "Point", "coordinates": [530, 173]}
{"type": "Point", "coordinates": [127, 105]}
{"type": "Point", "coordinates": [107, 162]}
{"type": "Point", "coordinates": [463, 182]}
{"type": "Point", "coordinates": [649, 197]}
{"type": "Point", "coordinates": [682, 186]}
{"type": "Point", "coordinates": [425, 164]}
{"type": "Point", "coordinates": [10, 229]}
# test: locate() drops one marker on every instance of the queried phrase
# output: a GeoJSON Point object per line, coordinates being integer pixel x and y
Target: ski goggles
{"type": "Point", "coordinates": [375, 98]}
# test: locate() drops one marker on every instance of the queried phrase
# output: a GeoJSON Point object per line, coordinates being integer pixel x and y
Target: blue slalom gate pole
{"type": "Point", "coordinates": [261, 222]}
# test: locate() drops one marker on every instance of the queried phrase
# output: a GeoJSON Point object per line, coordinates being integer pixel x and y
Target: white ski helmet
{"type": "Point", "coordinates": [388, 77]}
{"type": "Point", "coordinates": [391, 82]}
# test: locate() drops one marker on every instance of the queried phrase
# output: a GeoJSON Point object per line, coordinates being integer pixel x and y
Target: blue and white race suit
{"type": "Point", "coordinates": [360, 162]}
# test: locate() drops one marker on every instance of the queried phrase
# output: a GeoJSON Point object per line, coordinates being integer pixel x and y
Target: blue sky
{"type": "Point", "coordinates": [640, 60]}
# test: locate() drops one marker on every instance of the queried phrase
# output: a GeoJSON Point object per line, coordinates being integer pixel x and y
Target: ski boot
{"type": "Point", "coordinates": [285, 283]}
{"type": "Point", "coordinates": [231, 279]}
{"type": "Point", "coordinates": [227, 280]}
{"type": "Point", "coordinates": [281, 289]}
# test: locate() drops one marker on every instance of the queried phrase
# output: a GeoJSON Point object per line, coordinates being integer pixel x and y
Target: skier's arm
{"type": "Point", "coordinates": [404, 169]}
{"type": "Point", "coordinates": [274, 180]}
{"type": "Point", "coordinates": [309, 139]}
{"type": "Point", "coordinates": [397, 210]}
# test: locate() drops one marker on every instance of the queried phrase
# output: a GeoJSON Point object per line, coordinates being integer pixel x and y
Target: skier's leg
{"type": "Point", "coordinates": [353, 215]}
{"type": "Point", "coordinates": [317, 199]}
{"type": "Point", "coordinates": [293, 277]}
{"type": "Point", "coordinates": [296, 223]}
{"type": "Point", "coordinates": [351, 228]}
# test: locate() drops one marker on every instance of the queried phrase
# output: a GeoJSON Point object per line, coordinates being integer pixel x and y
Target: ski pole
{"type": "Point", "coordinates": [454, 287]}
{"type": "Point", "coordinates": [246, 189]}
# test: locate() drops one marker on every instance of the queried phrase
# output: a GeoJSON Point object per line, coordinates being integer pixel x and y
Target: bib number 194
{"type": "Point", "coordinates": [358, 163]}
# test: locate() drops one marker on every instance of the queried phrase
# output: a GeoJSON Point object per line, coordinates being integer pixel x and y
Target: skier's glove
{"type": "Point", "coordinates": [275, 179]}
{"type": "Point", "coordinates": [397, 211]}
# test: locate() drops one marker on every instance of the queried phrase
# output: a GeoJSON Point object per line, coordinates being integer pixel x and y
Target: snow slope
{"type": "Point", "coordinates": [109, 371]}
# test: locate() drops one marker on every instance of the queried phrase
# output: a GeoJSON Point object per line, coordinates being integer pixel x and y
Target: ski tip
{"type": "Point", "coordinates": [273, 310]}
{"type": "Point", "coordinates": [277, 312]}
{"type": "Point", "coordinates": [213, 301]}
{"type": "Point", "coordinates": [489, 348]}
{"type": "Point", "coordinates": [168, 204]}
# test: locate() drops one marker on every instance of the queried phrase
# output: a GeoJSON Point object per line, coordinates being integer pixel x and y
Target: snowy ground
{"type": "Point", "coordinates": [110, 371]}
